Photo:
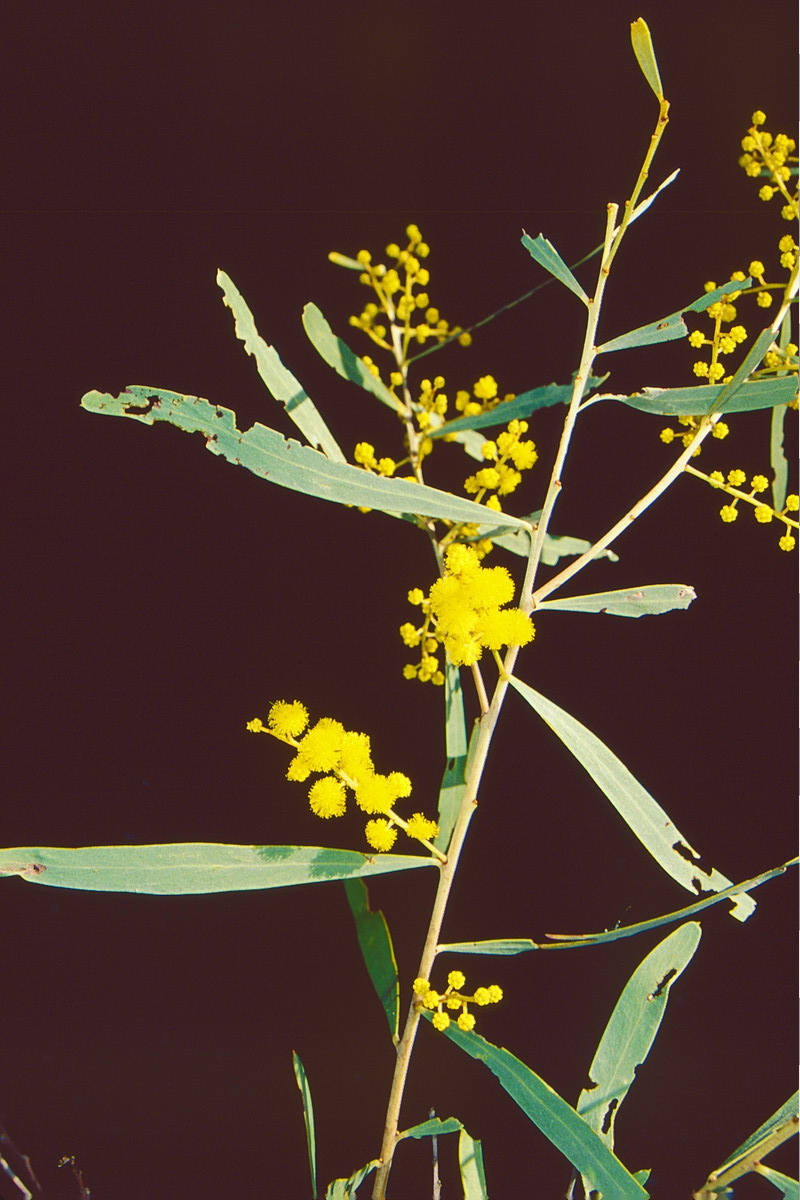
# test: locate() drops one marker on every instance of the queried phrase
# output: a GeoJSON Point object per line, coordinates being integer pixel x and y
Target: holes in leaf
{"type": "Point", "coordinates": [609, 1117]}
{"type": "Point", "coordinates": [663, 984]}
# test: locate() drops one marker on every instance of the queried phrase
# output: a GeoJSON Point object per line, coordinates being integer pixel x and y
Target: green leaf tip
{"type": "Point", "coordinates": [308, 1117]}
{"type": "Point", "coordinates": [645, 55]}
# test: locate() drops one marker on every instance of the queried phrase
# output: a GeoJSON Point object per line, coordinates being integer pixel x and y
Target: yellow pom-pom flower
{"type": "Point", "coordinates": [381, 835]}
{"type": "Point", "coordinates": [287, 720]}
{"type": "Point", "coordinates": [327, 797]}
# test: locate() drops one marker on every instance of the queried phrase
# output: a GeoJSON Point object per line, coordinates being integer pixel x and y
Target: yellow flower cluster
{"type": "Point", "coordinates": [453, 998]}
{"type": "Point", "coordinates": [465, 613]}
{"type": "Point", "coordinates": [510, 455]}
{"type": "Point", "coordinates": [344, 760]}
{"type": "Point", "coordinates": [768, 156]}
{"type": "Point", "coordinates": [763, 513]}
{"type": "Point", "coordinates": [402, 299]}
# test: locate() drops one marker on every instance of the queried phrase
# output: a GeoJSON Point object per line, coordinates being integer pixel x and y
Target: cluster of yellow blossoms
{"type": "Point", "coordinates": [453, 998]}
{"type": "Point", "coordinates": [765, 155]}
{"type": "Point", "coordinates": [763, 513]}
{"type": "Point", "coordinates": [464, 613]}
{"type": "Point", "coordinates": [402, 299]}
{"type": "Point", "coordinates": [344, 760]}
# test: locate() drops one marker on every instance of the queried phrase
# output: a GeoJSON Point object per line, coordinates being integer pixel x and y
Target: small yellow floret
{"type": "Point", "coordinates": [440, 1021]}
{"type": "Point", "coordinates": [456, 979]}
{"type": "Point", "coordinates": [763, 514]}
{"type": "Point", "coordinates": [327, 797]}
{"type": "Point", "coordinates": [728, 513]}
{"type": "Point", "coordinates": [466, 1022]}
{"type": "Point", "coordinates": [381, 835]}
{"type": "Point", "coordinates": [736, 478]}
{"type": "Point", "coordinates": [288, 719]}
{"type": "Point", "coordinates": [792, 502]}
{"type": "Point", "coordinates": [787, 542]}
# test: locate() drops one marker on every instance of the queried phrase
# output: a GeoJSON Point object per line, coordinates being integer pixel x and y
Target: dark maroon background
{"type": "Point", "coordinates": [157, 599]}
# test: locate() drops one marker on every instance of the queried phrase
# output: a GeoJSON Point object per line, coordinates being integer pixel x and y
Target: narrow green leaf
{"type": "Point", "coordinates": [435, 1127]}
{"type": "Point", "coordinates": [636, 602]}
{"type": "Point", "coordinates": [632, 1029]}
{"type": "Point", "coordinates": [788, 1187]}
{"type": "Point", "coordinates": [644, 816]}
{"type": "Point", "coordinates": [645, 55]}
{"type": "Point", "coordinates": [308, 1117]}
{"type": "Point", "coordinates": [342, 359]}
{"type": "Point", "coordinates": [551, 1114]}
{"type": "Point", "coordinates": [548, 257]}
{"type": "Point", "coordinates": [749, 363]}
{"type": "Point", "coordinates": [267, 453]}
{"type": "Point", "coordinates": [495, 946]}
{"type": "Point", "coordinates": [673, 325]}
{"type": "Point", "coordinates": [555, 546]}
{"type": "Point", "coordinates": [279, 382]}
{"type": "Point", "coordinates": [787, 1113]}
{"type": "Point", "coordinates": [575, 941]}
{"type": "Point", "coordinates": [572, 941]}
{"type": "Point", "coordinates": [192, 868]}
{"type": "Point", "coordinates": [510, 410]}
{"type": "Point", "coordinates": [470, 1162]}
{"type": "Point", "coordinates": [455, 737]}
{"type": "Point", "coordinates": [777, 458]}
{"type": "Point", "coordinates": [377, 950]}
{"type": "Point", "coordinates": [692, 401]}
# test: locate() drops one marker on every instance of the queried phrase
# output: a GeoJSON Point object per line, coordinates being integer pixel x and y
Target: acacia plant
{"type": "Point", "coordinates": [468, 626]}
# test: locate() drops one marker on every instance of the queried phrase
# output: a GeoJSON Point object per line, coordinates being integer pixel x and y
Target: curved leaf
{"type": "Point", "coordinates": [574, 941]}
{"type": "Point", "coordinates": [551, 1114]}
{"type": "Point", "coordinates": [636, 602]}
{"type": "Point", "coordinates": [192, 868]}
{"type": "Point", "coordinates": [279, 382]}
{"type": "Point", "coordinates": [632, 1029]}
{"type": "Point", "coordinates": [342, 359]}
{"type": "Point", "coordinates": [548, 257]}
{"type": "Point", "coordinates": [555, 546]}
{"type": "Point", "coordinates": [645, 817]}
{"type": "Point", "coordinates": [692, 401]}
{"type": "Point", "coordinates": [788, 1187]}
{"type": "Point", "coordinates": [308, 1117]}
{"type": "Point", "coordinates": [267, 453]}
{"type": "Point", "coordinates": [377, 950]}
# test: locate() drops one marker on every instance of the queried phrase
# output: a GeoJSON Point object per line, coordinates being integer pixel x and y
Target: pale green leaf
{"type": "Point", "coordinates": [644, 816]}
{"type": "Point", "coordinates": [377, 950]}
{"type": "Point", "coordinates": [342, 359]}
{"type": "Point", "coordinates": [191, 868]}
{"type": "Point", "coordinates": [634, 602]}
{"type": "Point", "coordinates": [493, 946]}
{"type": "Point", "coordinates": [510, 410]}
{"type": "Point", "coordinates": [308, 1117]}
{"type": "Point", "coordinates": [694, 401]}
{"type": "Point", "coordinates": [575, 941]}
{"type": "Point", "coordinates": [645, 55]}
{"type": "Point", "coordinates": [455, 736]}
{"type": "Point", "coordinates": [788, 1187]}
{"type": "Point", "coordinates": [555, 546]}
{"type": "Point", "coordinates": [765, 1133]}
{"type": "Point", "coordinates": [632, 1029]}
{"type": "Point", "coordinates": [777, 458]}
{"type": "Point", "coordinates": [548, 257]}
{"type": "Point", "coordinates": [432, 1128]}
{"type": "Point", "coordinates": [345, 1189]}
{"type": "Point", "coordinates": [279, 382]}
{"type": "Point", "coordinates": [268, 454]}
{"type": "Point", "coordinates": [470, 1162]}
{"type": "Point", "coordinates": [551, 1114]}
{"type": "Point", "coordinates": [673, 325]}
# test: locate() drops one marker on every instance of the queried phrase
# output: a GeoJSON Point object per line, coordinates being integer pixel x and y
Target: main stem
{"type": "Point", "coordinates": [489, 717]}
